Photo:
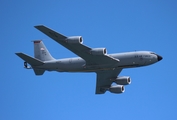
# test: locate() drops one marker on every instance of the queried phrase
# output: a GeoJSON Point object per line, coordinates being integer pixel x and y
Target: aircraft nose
{"type": "Point", "coordinates": [159, 57]}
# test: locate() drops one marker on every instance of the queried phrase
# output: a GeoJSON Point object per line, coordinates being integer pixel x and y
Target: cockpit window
{"type": "Point", "coordinates": [152, 53]}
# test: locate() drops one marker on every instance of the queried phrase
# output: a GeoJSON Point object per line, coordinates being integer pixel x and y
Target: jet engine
{"type": "Point", "coordinates": [117, 89]}
{"type": "Point", "coordinates": [122, 80]}
{"type": "Point", "coordinates": [75, 40]}
{"type": "Point", "coordinates": [26, 66]}
{"type": "Point", "coordinates": [98, 51]}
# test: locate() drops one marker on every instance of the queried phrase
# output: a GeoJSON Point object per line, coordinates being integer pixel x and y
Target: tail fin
{"type": "Point", "coordinates": [33, 62]}
{"type": "Point", "coordinates": [41, 52]}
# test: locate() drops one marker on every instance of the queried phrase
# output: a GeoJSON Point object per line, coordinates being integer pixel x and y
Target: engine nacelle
{"type": "Point", "coordinates": [26, 66]}
{"type": "Point", "coordinates": [75, 40]}
{"type": "Point", "coordinates": [122, 80]}
{"type": "Point", "coordinates": [117, 89]}
{"type": "Point", "coordinates": [98, 51]}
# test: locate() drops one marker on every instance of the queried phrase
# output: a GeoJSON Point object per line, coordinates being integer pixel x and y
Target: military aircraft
{"type": "Point", "coordinates": [106, 66]}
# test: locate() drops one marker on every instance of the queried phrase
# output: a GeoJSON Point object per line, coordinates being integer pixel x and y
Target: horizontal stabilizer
{"type": "Point", "coordinates": [32, 61]}
{"type": "Point", "coordinates": [39, 71]}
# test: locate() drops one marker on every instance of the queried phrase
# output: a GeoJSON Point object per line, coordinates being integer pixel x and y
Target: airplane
{"type": "Point", "coordinates": [106, 66]}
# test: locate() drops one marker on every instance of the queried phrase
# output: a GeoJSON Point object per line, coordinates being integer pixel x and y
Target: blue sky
{"type": "Point", "coordinates": [120, 26]}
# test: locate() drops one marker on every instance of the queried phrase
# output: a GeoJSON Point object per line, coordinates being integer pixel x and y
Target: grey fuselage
{"type": "Point", "coordinates": [77, 64]}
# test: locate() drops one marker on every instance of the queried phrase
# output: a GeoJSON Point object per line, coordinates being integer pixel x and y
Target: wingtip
{"type": "Point", "coordinates": [38, 26]}
{"type": "Point", "coordinates": [17, 53]}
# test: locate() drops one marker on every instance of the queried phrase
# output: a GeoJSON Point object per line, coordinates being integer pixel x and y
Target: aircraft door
{"type": "Point", "coordinates": [140, 59]}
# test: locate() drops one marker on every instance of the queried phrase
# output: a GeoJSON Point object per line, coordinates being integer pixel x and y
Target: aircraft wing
{"type": "Point", "coordinates": [103, 79]}
{"type": "Point", "coordinates": [79, 49]}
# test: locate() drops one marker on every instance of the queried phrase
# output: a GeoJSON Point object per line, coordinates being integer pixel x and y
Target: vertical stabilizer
{"type": "Point", "coordinates": [41, 52]}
